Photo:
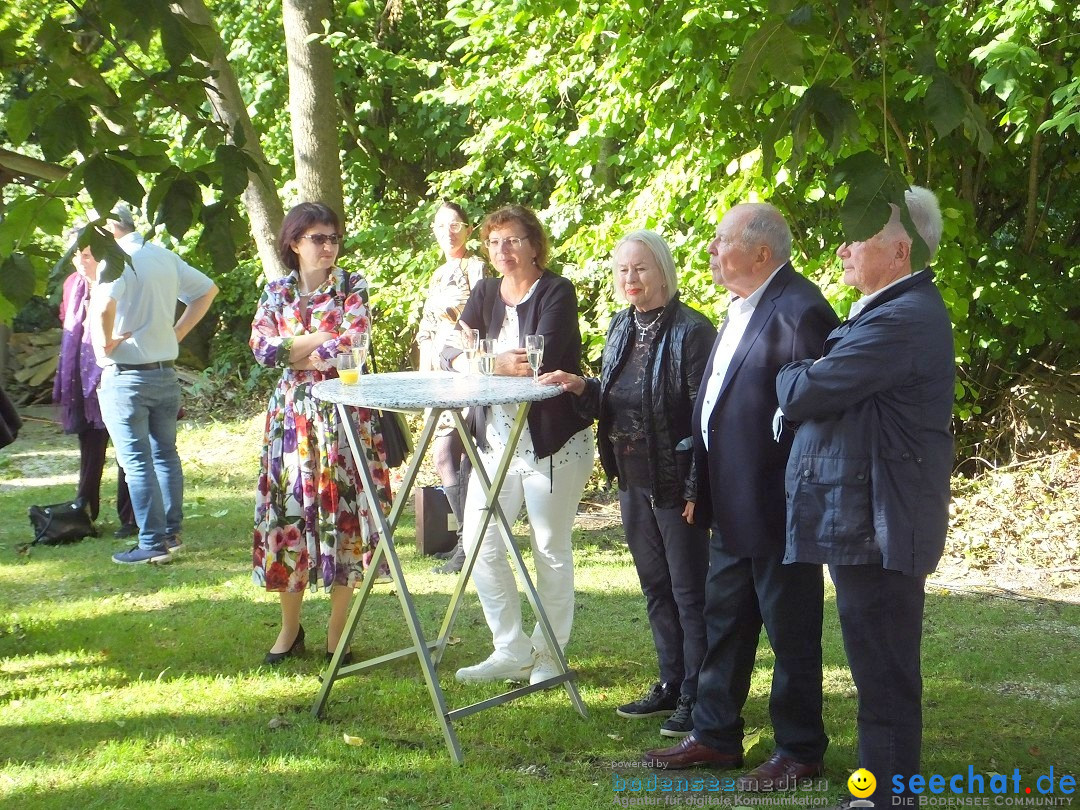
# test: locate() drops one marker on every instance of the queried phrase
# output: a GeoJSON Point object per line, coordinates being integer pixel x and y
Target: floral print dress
{"type": "Point", "coordinates": [312, 519]}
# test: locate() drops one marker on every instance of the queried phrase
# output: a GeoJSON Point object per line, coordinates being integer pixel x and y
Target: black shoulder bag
{"type": "Point", "coordinates": [60, 523]}
{"type": "Point", "coordinates": [397, 439]}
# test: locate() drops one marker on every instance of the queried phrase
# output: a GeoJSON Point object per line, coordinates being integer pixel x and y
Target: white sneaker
{"type": "Point", "coordinates": [544, 666]}
{"type": "Point", "coordinates": [496, 667]}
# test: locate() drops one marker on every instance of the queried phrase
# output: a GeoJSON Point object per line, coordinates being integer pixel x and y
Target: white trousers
{"type": "Point", "coordinates": [551, 503]}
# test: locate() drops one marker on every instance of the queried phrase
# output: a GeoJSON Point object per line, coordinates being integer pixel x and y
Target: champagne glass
{"type": "Point", "coordinates": [487, 357]}
{"type": "Point", "coordinates": [347, 369]}
{"type": "Point", "coordinates": [360, 349]}
{"type": "Point", "coordinates": [534, 352]}
{"type": "Point", "coordinates": [470, 344]}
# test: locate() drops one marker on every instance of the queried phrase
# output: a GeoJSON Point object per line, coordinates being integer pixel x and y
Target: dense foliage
{"type": "Point", "coordinates": [605, 117]}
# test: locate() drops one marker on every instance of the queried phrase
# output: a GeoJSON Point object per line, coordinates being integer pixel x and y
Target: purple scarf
{"type": "Point", "coordinates": [77, 375]}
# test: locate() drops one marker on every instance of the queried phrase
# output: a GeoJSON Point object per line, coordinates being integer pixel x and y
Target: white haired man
{"type": "Point", "coordinates": [776, 316]}
{"type": "Point", "coordinates": [868, 478]}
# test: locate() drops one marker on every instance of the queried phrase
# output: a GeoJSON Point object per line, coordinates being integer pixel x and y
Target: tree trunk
{"type": "Point", "coordinates": [312, 103]}
{"type": "Point", "coordinates": [260, 197]}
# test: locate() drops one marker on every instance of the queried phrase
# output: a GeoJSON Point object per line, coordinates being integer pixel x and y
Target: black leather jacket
{"type": "Point", "coordinates": [679, 353]}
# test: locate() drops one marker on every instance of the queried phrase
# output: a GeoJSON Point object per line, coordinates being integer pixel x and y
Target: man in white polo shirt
{"type": "Point", "coordinates": [137, 342]}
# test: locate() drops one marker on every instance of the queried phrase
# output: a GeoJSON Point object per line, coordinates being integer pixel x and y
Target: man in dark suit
{"type": "Point", "coordinates": [868, 478]}
{"type": "Point", "coordinates": [776, 317]}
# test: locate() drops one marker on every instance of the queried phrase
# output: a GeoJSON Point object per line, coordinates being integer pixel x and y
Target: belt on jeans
{"type": "Point", "coordinates": [145, 366]}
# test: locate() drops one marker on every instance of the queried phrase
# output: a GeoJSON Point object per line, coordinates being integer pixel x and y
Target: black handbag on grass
{"type": "Point", "coordinates": [60, 523]}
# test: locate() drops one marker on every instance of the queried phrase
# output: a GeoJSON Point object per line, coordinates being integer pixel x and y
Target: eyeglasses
{"type": "Point", "coordinates": [510, 241]}
{"type": "Point", "coordinates": [321, 239]}
{"type": "Point", "coordinates": [453, 227]}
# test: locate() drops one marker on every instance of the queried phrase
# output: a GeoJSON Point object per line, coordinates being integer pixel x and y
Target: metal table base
{"type": "Point", "coordinates": [430, 653]}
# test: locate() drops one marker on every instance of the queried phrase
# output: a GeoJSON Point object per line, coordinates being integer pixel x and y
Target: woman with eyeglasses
{"type": "Point", "coordinates": [554, 456]}
{"type": "Point", "coordinates": [448, 291]}
{"type": "Point", "coordinates": [655, 355]}
{"type": "Point", "coordinates": [312, 521]}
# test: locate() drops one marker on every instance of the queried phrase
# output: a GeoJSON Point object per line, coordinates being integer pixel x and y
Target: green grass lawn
{"type": "Point", "coordinates": [137, 687]}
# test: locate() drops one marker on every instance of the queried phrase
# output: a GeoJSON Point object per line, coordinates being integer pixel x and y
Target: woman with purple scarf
{"type": "Point", "coordinates": [75, 391]}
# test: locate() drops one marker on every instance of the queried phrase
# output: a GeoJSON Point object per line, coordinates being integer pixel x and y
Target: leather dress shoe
{"type": "Point", "coordinates": [690, 752]}
{"type": "Point", "coordinates": [778, 772]}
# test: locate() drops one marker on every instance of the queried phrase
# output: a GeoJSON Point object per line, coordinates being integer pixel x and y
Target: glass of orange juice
{"type": "Point", "coordinates": [348, 370]}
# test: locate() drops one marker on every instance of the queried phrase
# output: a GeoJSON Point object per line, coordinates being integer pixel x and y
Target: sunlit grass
{"type": "Point", "coordinates": [136, 687]}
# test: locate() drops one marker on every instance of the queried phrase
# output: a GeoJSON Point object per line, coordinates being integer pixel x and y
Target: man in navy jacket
{"type": "Point", "coordinates": [777, 316]}
{"type": "Point", "coordinates": [868, 476]}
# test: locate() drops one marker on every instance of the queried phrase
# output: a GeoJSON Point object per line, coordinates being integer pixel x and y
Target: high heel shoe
{"type": "Point", "coordinates": [297, 648]}
{"type": "Point", "coordinates": [346, 659]}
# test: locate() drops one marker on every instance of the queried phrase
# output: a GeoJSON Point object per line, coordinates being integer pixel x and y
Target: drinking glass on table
{"type": "Point", "coordinates": [347, 369]}
{"type": "Point", "coordinates": [534, 352]}
{"type": "Point", "coordinates": [360, 349]}
{"type": "Point", "coordinates": [470, 344]}
{"type": "Point", "coordinates": [487, 356]}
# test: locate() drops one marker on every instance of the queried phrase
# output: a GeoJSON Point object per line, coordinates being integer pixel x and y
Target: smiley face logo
{"type": "Point", "coordinates": [861, 783]}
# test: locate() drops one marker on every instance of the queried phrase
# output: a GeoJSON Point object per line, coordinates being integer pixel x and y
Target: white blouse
{"type": "Point", "coordinates": [501, 422]}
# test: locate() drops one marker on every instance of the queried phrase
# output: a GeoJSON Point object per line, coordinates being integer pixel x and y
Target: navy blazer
{"type": "Point", "coordinates": [741, 478]}
{"type": "Point", "coordinates": [868, 479]}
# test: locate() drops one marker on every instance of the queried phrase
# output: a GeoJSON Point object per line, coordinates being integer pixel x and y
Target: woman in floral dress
{"type": "Point", "coordinates": [312, 520]}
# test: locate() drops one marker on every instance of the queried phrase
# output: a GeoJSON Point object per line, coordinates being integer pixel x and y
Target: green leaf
{"type": "Point", "coordinates": [217, 237]}
{"type": "Point", "coordinates": [945, 104]}
{"type": "Point", "coordinates": [65, 129]}
{"type": "Point", "coordinates": [232, 163]}
{"type": "Point", "coordinates": [104, 248]}
{"type": "Point", "coordinates": [180, 206]}
{"type": "Point", "coordinates": [774, 49]}
{"type": "Point", "coordinates": [17, 279]}
{"type": "Point", "coordinates": [832, 114]}
{"type": "Point", "coordinates": [181, 39]}
{"type": "Point", "coordinates": [108, 181]}
{"type": "Point", "coordinates": [872, 186]}
{"type": "Point", "coordinates": [18, 122]}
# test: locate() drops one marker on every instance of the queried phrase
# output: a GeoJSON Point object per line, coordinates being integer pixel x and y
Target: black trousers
{"type": "Point", "coordinates": [671, 558]}
{"type": "Point", "coordinates": [741, 595]}
{"type": "Point", "coordinates": [881, 613]}
{"type": "Point", "coordinates": [93, 443]}
{"type": "Point", "coordinates": [454, 469]}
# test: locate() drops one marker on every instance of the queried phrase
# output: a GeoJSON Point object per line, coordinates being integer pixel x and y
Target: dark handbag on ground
{"type": "Point", "coordinates": [61, 523]}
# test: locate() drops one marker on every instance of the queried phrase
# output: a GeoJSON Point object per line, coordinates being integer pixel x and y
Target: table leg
{"type": "Point", "coordinates": [386, 548]}
{"type": "Point", "coordinates": [494, 511]}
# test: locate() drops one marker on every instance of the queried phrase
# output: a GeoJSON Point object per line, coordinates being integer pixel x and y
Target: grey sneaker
{"type": "Point", "coordinates": [173, 543]}
{"type": "Point", "coordinates": [141, 556]}
{"type": "Point", "coordinates": [659, 702]}
{"type": "Point", "coordinates": [681, 722]}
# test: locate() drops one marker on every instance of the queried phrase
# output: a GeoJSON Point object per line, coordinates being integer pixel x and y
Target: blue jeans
{"type": "Point", "coordinates": [139, 409]}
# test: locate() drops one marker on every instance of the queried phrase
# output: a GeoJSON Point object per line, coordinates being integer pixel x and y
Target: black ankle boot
{"type": "Point", "coordinates": [454, 564]}
{"type": "Point", "coordinates": [297, 648]}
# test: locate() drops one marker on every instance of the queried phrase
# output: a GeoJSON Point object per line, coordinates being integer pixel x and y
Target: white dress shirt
{"type": "Point", "coordinates": [738, 317]}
